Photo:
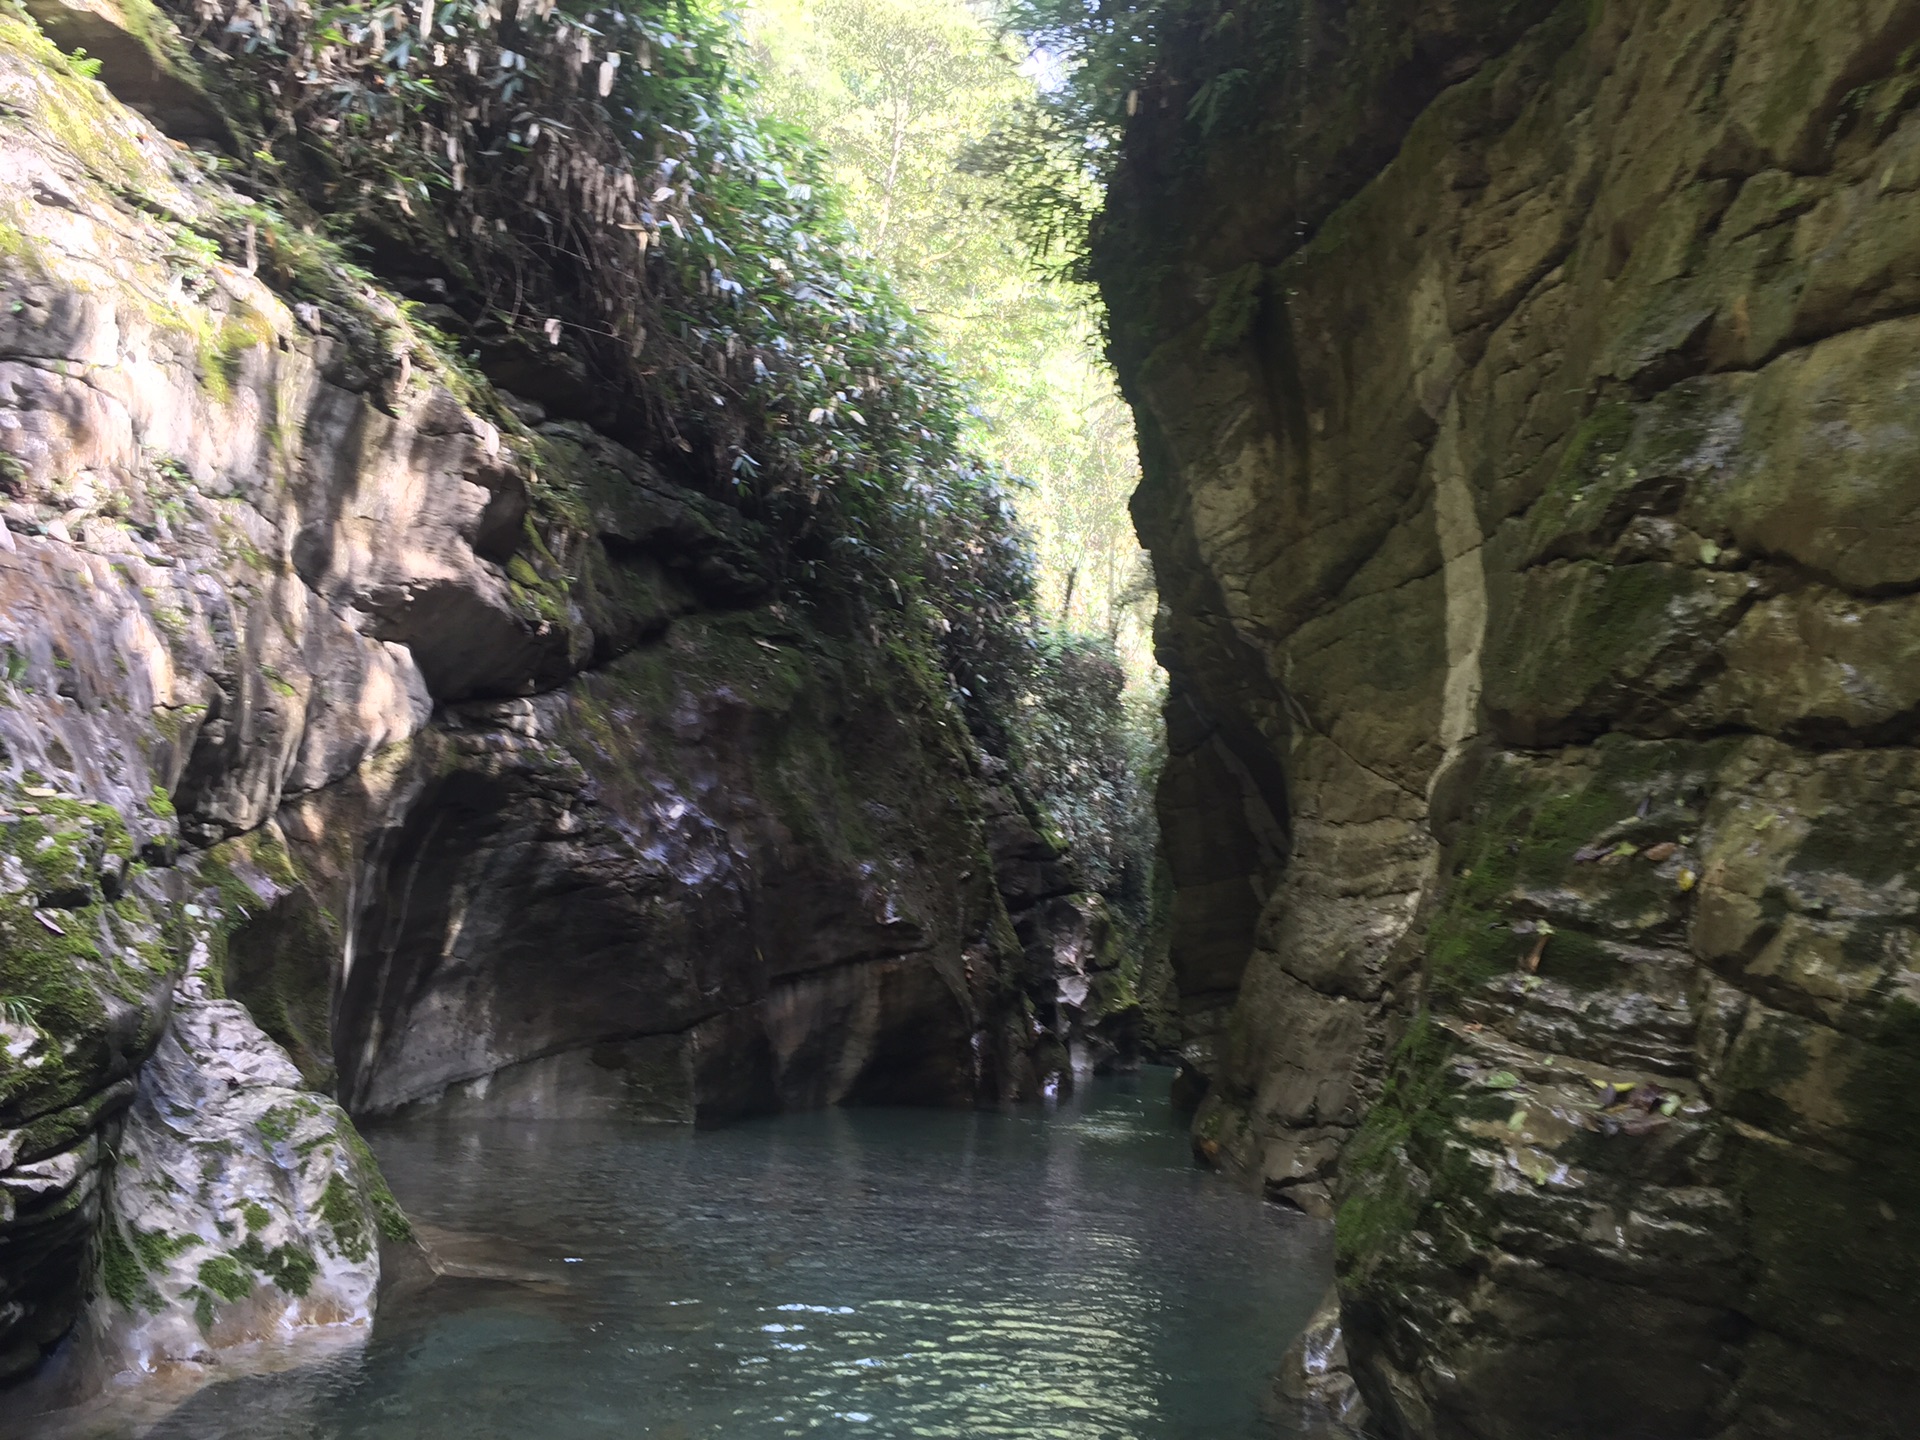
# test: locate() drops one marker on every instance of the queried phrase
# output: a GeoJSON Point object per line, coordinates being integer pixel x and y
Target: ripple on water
{"type": "Point", "coordinates": [1062, 1275]}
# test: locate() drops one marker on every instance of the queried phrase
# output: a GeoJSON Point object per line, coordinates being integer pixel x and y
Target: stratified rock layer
{"type": "Point", "coordinates": [1532, 479]}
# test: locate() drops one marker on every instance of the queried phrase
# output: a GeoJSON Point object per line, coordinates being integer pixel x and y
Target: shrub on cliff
{"type": "Point", "coordinates": [602, 223]}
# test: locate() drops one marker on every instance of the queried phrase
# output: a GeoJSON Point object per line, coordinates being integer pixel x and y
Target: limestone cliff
{"type": "Point", "coordinates": [1526, 395]}
{"type": "Point", "coordinates": [370, 734]}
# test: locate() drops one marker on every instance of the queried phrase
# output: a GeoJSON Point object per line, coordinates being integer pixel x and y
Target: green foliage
{"type": "Point", "coordinates": [1084, 755]}
{"type": "Point", "coordinates": [596, 192]}
{"type": "Point", "coordinates": [1176, 86]}
{"type": "Point", "coordinates": [901, 94]}
{"type": "Point", "coordinates": [606, 212]}
{"type": "Point", "coordinates": [1222, 100]}
{"type": "Point", "coordinates": [892, 91]}
{"type": "Point", "coordinates": [1104, 64]}
{"type": "Point", "coordinates": [1056, 154]}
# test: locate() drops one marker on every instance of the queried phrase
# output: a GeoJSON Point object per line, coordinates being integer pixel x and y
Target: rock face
{"type": "Point", "coordinates": [1531, 476]}
{"type": "Point", "coordinates": [365, 735]}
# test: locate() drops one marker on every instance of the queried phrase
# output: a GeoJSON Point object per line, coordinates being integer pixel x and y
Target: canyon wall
{"type": "Point", "coordinates": [370, 736]}
{"type": "Point", "coordinates": [1527, 405]}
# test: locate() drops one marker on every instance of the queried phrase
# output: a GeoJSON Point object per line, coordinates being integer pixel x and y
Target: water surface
{"type": "Point", "coordinates": [1062, 1273]}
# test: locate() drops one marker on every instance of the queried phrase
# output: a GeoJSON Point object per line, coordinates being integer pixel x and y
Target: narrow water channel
{"type": "Point", "coordinates": [1062, 1273]}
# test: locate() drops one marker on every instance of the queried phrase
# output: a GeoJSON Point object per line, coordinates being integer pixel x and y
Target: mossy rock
{"type": "Point", "coordinates": [1577, 647]}
{"type": "Point", "coordinates": [1559, 841]}
{"type": "Point", "coordinates": [276, 947]}
{"type": "Point", "coordinates": [1406, 1169]}
{"type": "Point", "coordinates": [142, 61]}
{"type": "Point", "coordinates": [83, 938]}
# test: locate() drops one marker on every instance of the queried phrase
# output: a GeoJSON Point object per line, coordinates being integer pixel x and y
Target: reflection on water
{"type": "Point", "coordinates": [1061, 1274]}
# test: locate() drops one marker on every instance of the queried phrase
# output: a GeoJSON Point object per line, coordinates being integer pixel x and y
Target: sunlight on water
{"type": "Point", "coordinates": [1065, 1275]}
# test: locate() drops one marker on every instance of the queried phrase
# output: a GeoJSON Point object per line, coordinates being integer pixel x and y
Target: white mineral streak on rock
{"type": "Point", "coordinates": [1466, 590]}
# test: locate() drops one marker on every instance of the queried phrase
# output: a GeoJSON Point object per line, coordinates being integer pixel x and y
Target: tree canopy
{"type": "Point", "coordinates": [907, 99]}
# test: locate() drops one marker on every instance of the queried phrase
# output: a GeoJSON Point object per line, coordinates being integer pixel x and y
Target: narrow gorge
{"type": "Point", "coordinates": [506, 627]}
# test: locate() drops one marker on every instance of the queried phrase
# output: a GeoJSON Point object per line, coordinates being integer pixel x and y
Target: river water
{"type": "Point", "coordinates": [1062, 1273]}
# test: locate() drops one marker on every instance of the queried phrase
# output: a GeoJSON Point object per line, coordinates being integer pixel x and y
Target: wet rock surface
{"type": "Point", "coordinates": [1530, 482]}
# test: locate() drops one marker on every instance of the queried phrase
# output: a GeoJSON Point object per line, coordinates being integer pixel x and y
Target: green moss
{"type": "Point", "coordinates": [1832, 1227]}
{"type": "Point", "coordinates": [1235, 307]}
{"type": "Point", "coordinates": [223, 349]}
{"type": "Point", "coordinates": [1767, 1060]}
{"type": "Point", "coordinates": [202, 1306]}
{"type": "Point", "coordinates": [1863, 842]}
{"type": "Point", "coordinates": [340, 1208]}
{"type": "Point", "coordinates": [14, 245]}
{"type": "Point", "coordinates": [1531, 823]}
{"type": "Point", "coordinates": [1406, 1167]}
{"type": "Point", "coordinates": [156, 1247]}
{"type": "Point", "coordinates": [256, 1215]}
{"type": "Point", "coordinates": [291, 1267]}
{"type": "Point", "coordinates": [1882, 1092]}
{"type": "Point", "coordinates": [144, 21]}
{"type": "Point", "coordinates": [541, 596]}
{"type": "Point", "coordinates": [66, 954]}
{"type": "Point", "coordinates": [392, 1220]}
{"type": "Point", "coordinates": [1596, 442]}
{"type": "Point", "coordinates": [276, 1127]}
{"type": "Point", "coordinates": [1581, 633]}
{"type": "Point", "coordinates": [74, 108]}
{"type": "Point", "coordinates": [122, 1275]}
{"type": "Point", "coordinates": [244, 942]}
{"type": "Point", "coordinates": [227, 1277]}
{"type": "Point", "coordinates": [1581, 961]}
{"type": "Point", "coordinates": [278, 961]}
{"type": "Point", "coordinates": [793, 679]}
{"type": "Point", "coordinates": [232, 1276]}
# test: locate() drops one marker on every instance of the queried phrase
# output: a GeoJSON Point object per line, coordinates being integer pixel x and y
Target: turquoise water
{"type": "Point", "coordinates": [1061, 1273]}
